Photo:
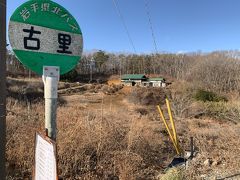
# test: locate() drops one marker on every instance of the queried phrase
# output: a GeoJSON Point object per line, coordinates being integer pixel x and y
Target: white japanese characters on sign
{"type": "Point", "coordinates": [47, 7]}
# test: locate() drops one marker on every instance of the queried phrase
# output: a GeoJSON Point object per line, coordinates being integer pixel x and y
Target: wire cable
{"type": "Point", "coordinates": [124, 24]}
{"type": "Point", "coordinates": [151, 26]}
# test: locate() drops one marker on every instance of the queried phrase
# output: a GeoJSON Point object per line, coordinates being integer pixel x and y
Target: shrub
{"type": "Point", "coordinates": [223, 110]}
{"type": "Point", "coordinates": [70, 76]}
{"type": "Point", "coordinates": [202, 95]}
{"type": "Point", "coordinates": [147, 96]}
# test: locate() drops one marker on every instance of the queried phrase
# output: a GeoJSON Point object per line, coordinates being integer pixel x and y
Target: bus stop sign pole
{"type": "Point", "coordinates": [50, 78]}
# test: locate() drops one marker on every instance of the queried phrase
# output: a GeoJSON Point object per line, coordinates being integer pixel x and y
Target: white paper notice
{"type": "Point", "coordinates": [45, 160]}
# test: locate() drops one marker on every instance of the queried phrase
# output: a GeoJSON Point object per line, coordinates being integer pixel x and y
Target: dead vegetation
{"type": "Point", "coordinates": [147, 96]}
{"type": "Point", "coordinates": [106, 132]}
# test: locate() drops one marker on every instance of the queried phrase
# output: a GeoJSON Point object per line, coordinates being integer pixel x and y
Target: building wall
{"type": "Point", "coordinates": [127, 84]}
{"type": "Point", "coordinates": [144, 83]}
{"type": "Point", "coordinates": [158, 84]}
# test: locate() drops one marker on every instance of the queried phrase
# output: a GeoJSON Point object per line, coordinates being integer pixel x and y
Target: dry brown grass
{"type": "Point", "coordinates": [218, 142]}
{"type": "Point", "coordinates": [94, 141]}
{"type": "Point", "coordinates": [106, 137]}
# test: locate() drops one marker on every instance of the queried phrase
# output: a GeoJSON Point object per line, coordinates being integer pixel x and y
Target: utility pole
{"type": "Point", "coordinates": [120, 73]}
{"type": "Point", "coordinates": [2, 88]}
{"type": "Point", "coordinates": [91, 68]}
{"type": "Point", "coordinates": [29, 75]}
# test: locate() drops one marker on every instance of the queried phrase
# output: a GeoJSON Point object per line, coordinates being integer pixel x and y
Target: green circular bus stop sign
{"type": "Point", "coordinates": [43, 33]}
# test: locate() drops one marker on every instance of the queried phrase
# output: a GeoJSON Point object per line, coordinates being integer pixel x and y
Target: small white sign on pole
{"type": "Point", "coordinates": [45, 159]}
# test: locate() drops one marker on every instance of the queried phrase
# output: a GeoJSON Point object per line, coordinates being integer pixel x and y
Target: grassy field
{"type": "Point", "coordinates": [115, 132]}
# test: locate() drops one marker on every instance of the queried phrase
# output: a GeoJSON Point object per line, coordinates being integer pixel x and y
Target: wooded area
{"type": "Point", "coordinates": [216, 71]}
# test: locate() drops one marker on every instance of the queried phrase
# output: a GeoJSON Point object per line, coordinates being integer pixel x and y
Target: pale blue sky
{"type": "Point", "coordinates": [179, 25]}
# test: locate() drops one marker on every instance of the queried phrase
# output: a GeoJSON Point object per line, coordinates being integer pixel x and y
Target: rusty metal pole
{"type": "Point", "coordinates": [191, 147]}
{"type": "Point", "coordinates": [2, 88]}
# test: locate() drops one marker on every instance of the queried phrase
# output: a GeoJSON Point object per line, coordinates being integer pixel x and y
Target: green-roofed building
{"type": "Point", "coordinates": [156, 79]}
{"type": "Point", "coordinates": [133, 79]}
{"type": "Point", "coordinates": [142, 80]}
{"type": "Point", "coordinates": [157, 82]}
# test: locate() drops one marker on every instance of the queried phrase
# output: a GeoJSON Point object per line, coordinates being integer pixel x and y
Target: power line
{"type": "Point", "coordinates": [124, 24]}
{"type": "Point", "coordinates": [151, 26]}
